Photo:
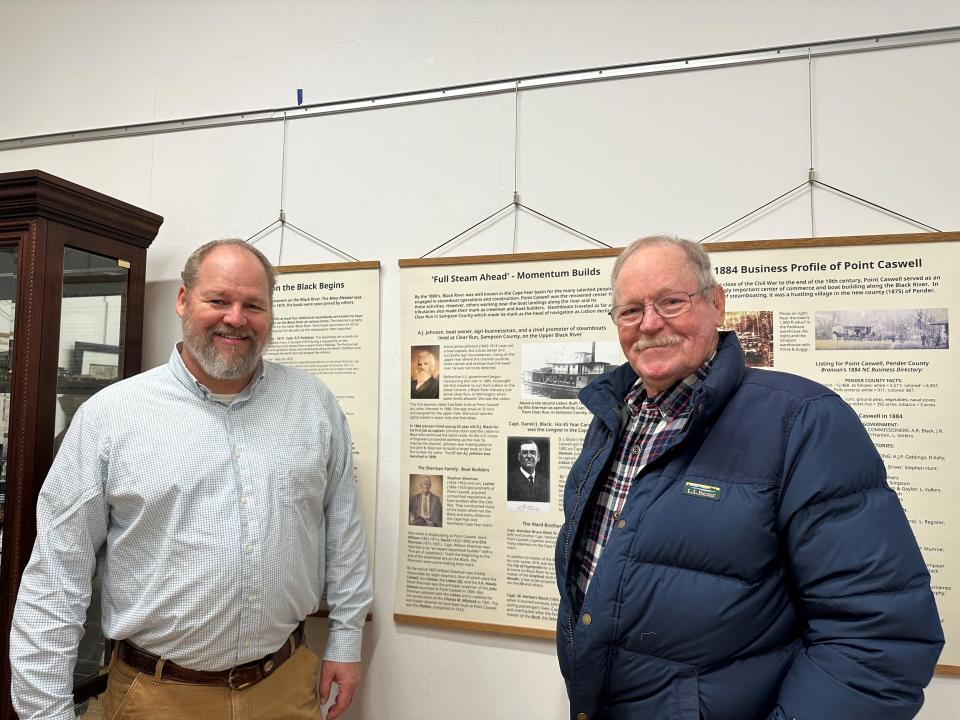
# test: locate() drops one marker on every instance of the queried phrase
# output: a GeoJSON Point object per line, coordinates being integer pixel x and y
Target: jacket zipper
{"type": "Point", "coordinates": [576, 506]}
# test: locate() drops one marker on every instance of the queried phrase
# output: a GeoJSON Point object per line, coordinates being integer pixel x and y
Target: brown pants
{"type": "Point", "coordinates": [288, 694]}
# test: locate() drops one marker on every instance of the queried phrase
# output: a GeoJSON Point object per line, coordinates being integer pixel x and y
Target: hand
{"type": "Point", "coordinates": [347, 677]}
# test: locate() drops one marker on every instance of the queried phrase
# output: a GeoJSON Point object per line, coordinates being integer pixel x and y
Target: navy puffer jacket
{"type": "Point", "coordinates": [791, 588]}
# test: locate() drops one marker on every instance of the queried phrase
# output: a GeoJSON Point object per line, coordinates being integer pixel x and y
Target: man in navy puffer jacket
{"type": "Point", "coordinates": [731, 549]}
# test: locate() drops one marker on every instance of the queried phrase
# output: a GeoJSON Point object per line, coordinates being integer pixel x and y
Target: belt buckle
{"type": "Point", "coordinates": [241, 686]}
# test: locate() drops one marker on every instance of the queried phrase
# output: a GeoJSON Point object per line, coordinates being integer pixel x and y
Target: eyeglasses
{"type": "Point", "coordinates": [669, 306]}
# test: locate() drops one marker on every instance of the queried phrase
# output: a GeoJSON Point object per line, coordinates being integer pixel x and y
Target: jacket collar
{"type": "Point", "coordinates": [604, 397]}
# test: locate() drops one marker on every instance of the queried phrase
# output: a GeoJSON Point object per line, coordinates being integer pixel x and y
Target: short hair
{"type": "Point", "coordinates": [528, 442]}
{"type": "Point", "coordinates": [697, 257]}
{"type": "Point", "coordinates": [191, 268]}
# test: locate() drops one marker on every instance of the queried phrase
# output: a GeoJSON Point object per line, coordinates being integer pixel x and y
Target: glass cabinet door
{"type": "Point", "coordinates": [8, 294]}
{"type": "Point", "coordinates": [92, 314]}
{"type": "Point", "coordinates": [92, 321]}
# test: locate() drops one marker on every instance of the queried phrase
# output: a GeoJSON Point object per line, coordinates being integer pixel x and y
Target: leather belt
{"type": "Point", "coordinates": [237, 678]}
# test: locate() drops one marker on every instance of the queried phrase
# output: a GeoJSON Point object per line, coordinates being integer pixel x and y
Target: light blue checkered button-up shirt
{"type": "Point", "coordinates": [225, 525]}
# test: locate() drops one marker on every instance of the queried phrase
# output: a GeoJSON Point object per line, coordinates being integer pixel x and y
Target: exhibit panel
{"type": "Point", "coordinates": [505, 343]}
{"type": "Point", "coordinates": [494, 352]}
{"type": "Point", "coordinates": [326, 320]}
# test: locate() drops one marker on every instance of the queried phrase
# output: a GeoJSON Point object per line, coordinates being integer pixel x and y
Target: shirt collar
{"type": "Point", "coordinates": [673, 401]}
{"type": "Point", "coordinates": [186, 378]}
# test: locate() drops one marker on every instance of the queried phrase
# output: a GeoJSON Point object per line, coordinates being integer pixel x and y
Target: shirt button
{"type": "Point", "coordinates": [635, 450]}
{"type": "Point", "coordinates": [236, 454]}
{"type": "Point", "coordinates": [249, 547]}
{"type": "Point", "coordinates": [243, 501]}
{"type": "Point", "coordinates": [621, 523]}
{"type": "Point", "coordinates": [251, 598]}
{"type": "Point", "coordinates": [587, 618]}
{"type": "Point", "coordinates": [582, 716]}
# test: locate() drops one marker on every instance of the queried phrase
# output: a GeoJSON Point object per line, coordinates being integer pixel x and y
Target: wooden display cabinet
{"type": "Point", "coordinates": [72, 268]}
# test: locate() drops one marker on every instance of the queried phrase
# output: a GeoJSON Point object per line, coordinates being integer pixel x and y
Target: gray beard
{"type": "Point", "coordinates": [202, 349]}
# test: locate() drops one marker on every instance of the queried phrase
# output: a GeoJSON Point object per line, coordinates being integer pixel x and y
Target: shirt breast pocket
{"type": "Point", "coordinates": [302, 479]}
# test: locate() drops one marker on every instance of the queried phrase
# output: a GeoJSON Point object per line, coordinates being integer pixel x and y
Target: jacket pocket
{"type": "Point", "coordinates": [650, 687]}
{"type": "Point", "coordinates": [686, 699]}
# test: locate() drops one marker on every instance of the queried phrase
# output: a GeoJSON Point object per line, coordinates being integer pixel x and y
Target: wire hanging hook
{"type": "Point", "coordinates": [283, 187]}
{"type": "Point", "coordinates": [516, 164]}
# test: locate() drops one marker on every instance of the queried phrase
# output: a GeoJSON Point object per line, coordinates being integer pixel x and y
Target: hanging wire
{"type": "Point", "coordinates": [516, 222]}
{"type": "Point", "coordinates": [812, 181]}
{"type": "Point", "coordinates": [516, 163]}
{"type": "Point", "coordinates": [516, 205]}
{"type": "Point", "coordinates": [810, 103]}
{"type": "Point", "coordinates": [820, 183]}
{"type": "Point", "coordinates": [810, 174]}
{"type": "Point", "coordinates": [260, 232]}
{"type": "Point", "coordinates": [283, 186]}
{"type": "Point", "coordinates": [563, 225]}
{"type": "Point", "coordinates": [475, 225]}
{"type": "Point", "coordinates": [876, 206]}
{"type": "Point", "coordinates": [756, 210]}
{"type": "Point", "coordinates": [516, 138]}
{"type": "Point", "coordinates": [303, 232]}
{"type": "Point", "coordinates": [317, 240]}
{"type": "Point", "coordinates": [282, 219]}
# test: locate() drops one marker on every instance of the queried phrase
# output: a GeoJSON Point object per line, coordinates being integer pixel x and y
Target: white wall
{"type": "Point", "coordinates": [683, 153]}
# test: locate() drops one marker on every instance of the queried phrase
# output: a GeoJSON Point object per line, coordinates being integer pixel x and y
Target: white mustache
{"type": "Point", "coordinates": [656, 342]}
{"type": "Point", "coordinates": [236, 333]}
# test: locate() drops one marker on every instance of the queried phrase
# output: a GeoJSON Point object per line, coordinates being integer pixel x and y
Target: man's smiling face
{"type": "Point", "coordinates": [226, 318]}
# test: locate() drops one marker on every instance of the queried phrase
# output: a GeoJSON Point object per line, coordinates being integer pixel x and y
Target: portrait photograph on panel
{"type": "Point", "coordinates": [426, 500]}
{"type": "Point", "coordinates": [528, 473]}
{"type": "Point", "coordinates": [425, 372]}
